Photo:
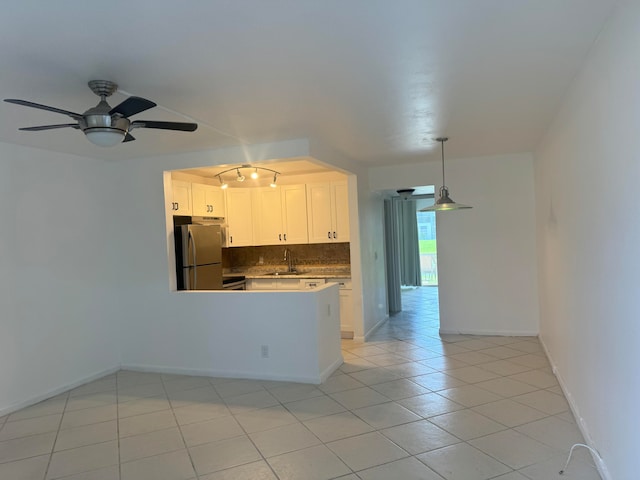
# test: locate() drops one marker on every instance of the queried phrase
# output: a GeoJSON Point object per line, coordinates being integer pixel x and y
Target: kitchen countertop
{"type": "Point", "coordinates": [303, 272]}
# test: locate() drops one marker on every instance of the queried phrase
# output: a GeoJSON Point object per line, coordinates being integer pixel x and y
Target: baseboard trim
{"type": "Point", "coordinates": [56, 391]}
{"type": "Point", "coordinates": [582, 426]}
{"type": "Point", "coordinates": [494, 333]}
{"type": "Point", "coordinates": [372, 330]}
{"type": "Point", "coordinates": [196, 372]}
{"type": "Point", "coordinates": [326, 373]}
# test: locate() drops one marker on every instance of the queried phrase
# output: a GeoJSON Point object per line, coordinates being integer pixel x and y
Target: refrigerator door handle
{"type": "Point", "coordinates": [195, 263]}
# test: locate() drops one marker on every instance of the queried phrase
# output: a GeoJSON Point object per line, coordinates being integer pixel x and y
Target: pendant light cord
{"type": "Point", "coordinates": [442, 140]}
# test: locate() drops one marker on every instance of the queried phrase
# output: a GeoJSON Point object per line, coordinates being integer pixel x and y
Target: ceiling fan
{"type": "Point", "coordinates": [103, 125]}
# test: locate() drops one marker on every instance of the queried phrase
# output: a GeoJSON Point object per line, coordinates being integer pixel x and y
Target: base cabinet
{"type": "Point", "coordinates": [346, 306]}
{"type": "Point", "coordinates": [283, 283]}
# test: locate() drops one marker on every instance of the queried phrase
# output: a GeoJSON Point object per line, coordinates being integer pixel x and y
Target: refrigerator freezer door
{"type": "Point", "coordinates": [201, 244]}
{"type": "Point", "coordinates": [203, 277]}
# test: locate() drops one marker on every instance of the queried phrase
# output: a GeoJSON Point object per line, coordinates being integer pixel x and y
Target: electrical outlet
{"type": "Point", "coordinates": [328, 309]}
{"type": "Point", "coordinates": [264, 351]}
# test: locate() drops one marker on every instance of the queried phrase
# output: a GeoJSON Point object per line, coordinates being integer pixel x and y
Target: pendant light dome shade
{"type": "Point", "coordinates": [444, 201]}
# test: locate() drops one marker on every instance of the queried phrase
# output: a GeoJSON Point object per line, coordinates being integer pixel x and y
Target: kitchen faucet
{"type": "Point", "coordinates": [289, 259]}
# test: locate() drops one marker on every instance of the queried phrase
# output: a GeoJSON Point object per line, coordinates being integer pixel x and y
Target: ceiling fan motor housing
{"type": "Point", "coordinates": [99, 117]}
{"type": "Point", "coordinates": [104, 120]}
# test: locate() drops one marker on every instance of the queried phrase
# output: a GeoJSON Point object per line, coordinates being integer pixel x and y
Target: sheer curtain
{"type": "Point", "coordinates": [392, 247]}
{"type": "Point", "coordinates": [402, 249]}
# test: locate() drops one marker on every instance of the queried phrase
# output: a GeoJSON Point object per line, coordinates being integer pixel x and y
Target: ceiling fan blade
{"type": "Point", "coordinates": [50, 127]}
{"type": "Point", "coordinates": [128, 138]}
{"type": "Point", "coordinates": [182, 126]}
{"type": "Point", "coordinates": [131, 106]}
{"type": "Point", "coordinates": [25, 103]}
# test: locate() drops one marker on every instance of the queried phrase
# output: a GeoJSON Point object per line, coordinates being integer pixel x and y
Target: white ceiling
{"type": "Point", "coordinates": [377, 80]}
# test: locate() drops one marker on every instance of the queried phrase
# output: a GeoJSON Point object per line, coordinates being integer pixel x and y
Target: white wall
{"type": "Point", "coordinates": [486, 255]}
{"type": "Point", "coordinates": [588, 227]}
{"type": "Point", "coordinates": [57, 289]}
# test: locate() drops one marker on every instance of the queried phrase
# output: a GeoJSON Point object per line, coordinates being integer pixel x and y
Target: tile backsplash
{"type": "Point", "coordinates": [302, 254]}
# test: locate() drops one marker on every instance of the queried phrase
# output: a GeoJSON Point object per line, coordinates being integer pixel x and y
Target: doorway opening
{"type": "Point", "coordinates": [428, 248]}
{"type": "Point", "coordinates": [412, 258]}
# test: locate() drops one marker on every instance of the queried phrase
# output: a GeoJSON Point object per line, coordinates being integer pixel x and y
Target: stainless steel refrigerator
{"type": "Point", "coordinates": [198, 257]}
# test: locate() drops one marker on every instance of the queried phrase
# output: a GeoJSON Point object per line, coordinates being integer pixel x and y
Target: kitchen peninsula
{"type": "Point", "coordinates": [296, 267]}
{"type": "Point", "coordinates": [287, 336]}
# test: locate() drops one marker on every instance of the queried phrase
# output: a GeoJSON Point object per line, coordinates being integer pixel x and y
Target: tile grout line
{"type": "Point", "coordinates": [247, 434]}
{"type": "Point", "coordinates": [55, 440]}
{"type": "Point", "coordinates": [118, 424]}
{"type": "Point", "coordinates": [184, 442]}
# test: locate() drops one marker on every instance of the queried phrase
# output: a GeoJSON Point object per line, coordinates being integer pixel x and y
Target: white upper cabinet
{"type": "Point", "coordinates": [239, 217]}
{"type": "Point", "coordinates": [267, 216]}
{"type": "Point", "coordinates": [328, 212]}
{"type": "Point", "coordinates": [181, 199]}
{"type": "Point", "coordinates": [280, 215]}
{"type": "Point", "coordinates": [208, 200]}
{"type": "Point", "coordinates": [294, 213]}
{"type": "Point", "coordinates": [340, 205]}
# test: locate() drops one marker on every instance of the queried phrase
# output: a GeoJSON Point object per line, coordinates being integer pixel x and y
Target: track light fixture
{"type": "Point", "coordinates": [241, 178]}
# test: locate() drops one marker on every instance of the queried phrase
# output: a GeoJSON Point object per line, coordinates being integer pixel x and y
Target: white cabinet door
{"type": "Point", "coordinates": [267, 216]}
{"type": "Point", "coordinates": [280, 215]}
{"type": "Point", "coordinates": [262, 284]}
{"type": "Point", "coordinates": [346, 313]}
{"type": "Point", "coordinates": [239, 217]}
{"type": "Point", "coordinates": [346, 306]}
{"type": "Point", "coordinates": [208, 200]}
{"type": "Point", "coordinates": [311, 283]}
{"type": "Point", "coordinates": [294, 213]}
{"type": "Point", "coordinates": [319, 212]}
{"type": "Point", "coordinates": [340, 210]}
{"type": "Point", "coordinates": [181, 201]}
{"type": "Point", "coordinates": [288, 284]}
{"type": "Point", "coordinates": [328, 212]}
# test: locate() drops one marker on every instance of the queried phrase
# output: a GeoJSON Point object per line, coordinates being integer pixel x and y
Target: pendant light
{"type": "Point", "coordinates": [444, 201]}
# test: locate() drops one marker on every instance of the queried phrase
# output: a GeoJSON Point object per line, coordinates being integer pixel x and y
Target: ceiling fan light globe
{"type": "Point", "coordinates": [105, 137]}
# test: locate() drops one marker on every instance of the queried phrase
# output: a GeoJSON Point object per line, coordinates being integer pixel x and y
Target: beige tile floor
{"type": "Point", "coordinates": [408, 404]}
